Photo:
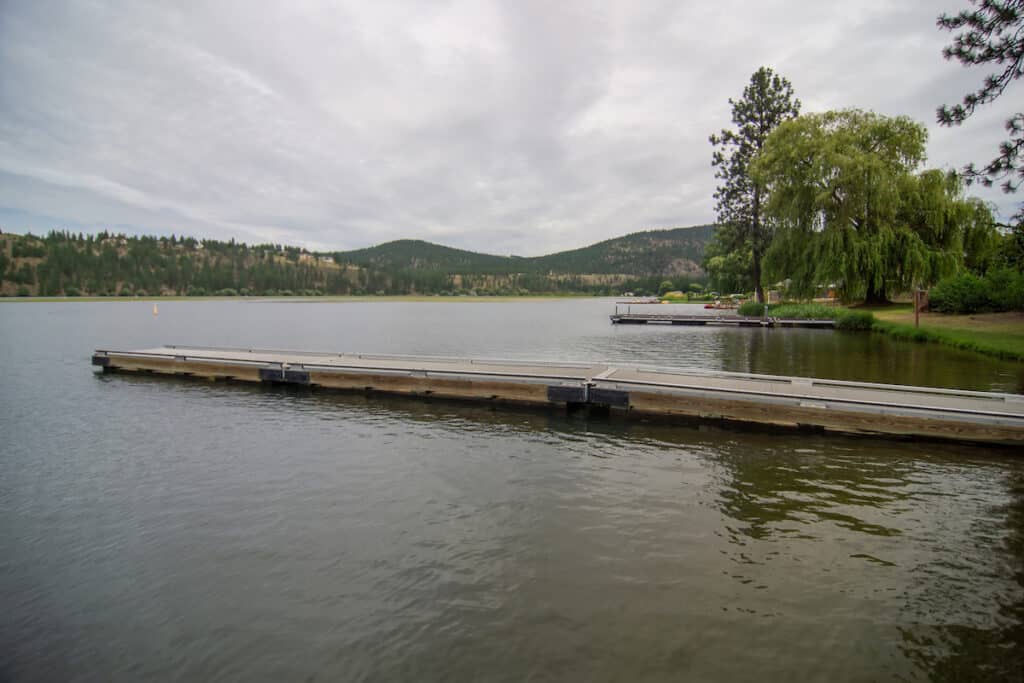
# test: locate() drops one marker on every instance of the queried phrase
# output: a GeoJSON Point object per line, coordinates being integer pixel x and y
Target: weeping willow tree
{"type": "Point", "coordinates": [853, 211]}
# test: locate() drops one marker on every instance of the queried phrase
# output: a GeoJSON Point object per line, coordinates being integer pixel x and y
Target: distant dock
{"type": "Point", "coordinates": [852, 407]}
{"type": "Point", "coordinates": [733, 320]}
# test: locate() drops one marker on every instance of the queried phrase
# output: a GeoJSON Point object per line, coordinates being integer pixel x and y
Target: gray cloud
{"type": "Point", "coordinates": [521, 127]}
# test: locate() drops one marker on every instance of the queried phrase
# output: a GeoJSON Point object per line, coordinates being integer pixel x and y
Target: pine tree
{"type": "Point", "coordinates": [992, 33]}
{"type": "Point", "coordinates": [767, 101]}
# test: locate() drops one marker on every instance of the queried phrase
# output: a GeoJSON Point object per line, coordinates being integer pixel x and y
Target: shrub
{"type": "Point", "coordinates": [805, 311]}
{"type": "Point", "coordinates": [854, 320]}
{"type": "Point", "coordinates": [72, 291]}
{"type": "Point", "coordinates": [23, 291]}
{"type": "Point", "coordinates": [964, 293]}
{"type": "Point", "coordinates": [227, 291]}
{"type": "Point", "coordinates": [1005, 289]}
{"type": "Point", "coordinates": [751, 308]}
{"type": "Point", "coordinates": [845, 318]}
{"type": "Point", "coordinates": [196, 291]}
{"type": "Point", "coordinates": [1001, 289]}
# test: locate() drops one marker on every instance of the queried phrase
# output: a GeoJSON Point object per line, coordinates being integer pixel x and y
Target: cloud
{"type": "Point", "coordinates": [520, 128]}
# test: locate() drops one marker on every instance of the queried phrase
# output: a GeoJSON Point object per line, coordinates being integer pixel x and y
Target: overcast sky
{"type": "Point", "coordinates": [508, 127]}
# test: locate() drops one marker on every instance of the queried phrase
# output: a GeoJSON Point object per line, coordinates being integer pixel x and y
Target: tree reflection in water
{"type": "Point", "coordinates": [993, 648]}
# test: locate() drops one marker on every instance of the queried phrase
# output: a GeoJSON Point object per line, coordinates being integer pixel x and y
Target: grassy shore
{"type": "Point", "coordinates": [846, 319]}
{"type": "Point", "coordinates": [994, 334]}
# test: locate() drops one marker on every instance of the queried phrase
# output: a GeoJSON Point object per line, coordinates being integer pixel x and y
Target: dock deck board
{"type": "Point", "coordinates": [731, 319]}
{"type": "Point", "coordinates": [775, 400]}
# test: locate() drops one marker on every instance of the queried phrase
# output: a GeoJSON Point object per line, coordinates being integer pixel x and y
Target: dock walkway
{"type": "Point", "coordinates": [856, 407]}
{"type": "Point", "coordinates": [736, 320]}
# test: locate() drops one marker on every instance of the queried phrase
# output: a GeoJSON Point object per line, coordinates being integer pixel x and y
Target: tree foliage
{"type": "Point", "coordinates": [991, 33]}
{"type": "Point", "coordinates": [767, 101]}
{"type": "Point", "coordinates": [728, 270]}
{"type": "Point", "coordinates": [651, 252]}
{"type": "Point", "coordinates": [106, 264]}
{"type": "Point", "coordinates": [852, 210]}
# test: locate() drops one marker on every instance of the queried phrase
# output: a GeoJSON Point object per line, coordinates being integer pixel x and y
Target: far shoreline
{"type": "Point", "coordinates": [303, 299]}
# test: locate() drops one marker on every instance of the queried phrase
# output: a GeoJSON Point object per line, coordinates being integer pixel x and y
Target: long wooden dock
{"type": "Point", "coordinates": [855, 407]}
{"type": "Point", "coordinates": [735, 320]}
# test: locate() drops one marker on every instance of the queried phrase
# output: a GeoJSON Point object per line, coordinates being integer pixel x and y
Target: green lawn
{"type": "Point", "coordinates": [996, 334]}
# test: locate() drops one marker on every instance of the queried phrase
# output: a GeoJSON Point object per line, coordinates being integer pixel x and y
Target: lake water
{"type": "Point", "coordinates": [161, 529]}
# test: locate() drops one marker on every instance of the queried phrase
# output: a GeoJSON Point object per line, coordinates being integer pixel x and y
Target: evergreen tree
{"type": "Point", "coordinates": [992, 33]}
{"type": "Point", "coordinates": [767, 101]}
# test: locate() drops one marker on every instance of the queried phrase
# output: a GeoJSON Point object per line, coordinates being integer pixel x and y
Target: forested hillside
{"type": "Point", "coordinates": [654, 253]}
{"type": "Point", "coordinates": [68, 264]}
{"type": "Point", "coordinates": [667, 253]}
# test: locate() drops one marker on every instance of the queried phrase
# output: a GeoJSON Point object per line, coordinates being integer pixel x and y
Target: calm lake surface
{"type": "Point", "coordinates": [156, 529]}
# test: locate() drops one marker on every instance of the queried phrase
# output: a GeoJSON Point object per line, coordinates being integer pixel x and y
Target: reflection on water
{"type": "Point", "coordinates": [989, 645]}
{"type": "Point", "coordinates": [189, 530]}
{"type": "Point", "coordinates": [866, 357]}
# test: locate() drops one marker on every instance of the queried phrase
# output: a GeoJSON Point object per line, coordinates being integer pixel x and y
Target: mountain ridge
{"type": "Point", "coordinates": [665, 251]}
{"type": "Point", "coordinates": [68, 264]}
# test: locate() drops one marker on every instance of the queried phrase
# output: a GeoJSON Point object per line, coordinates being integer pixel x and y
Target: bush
{"type": "Point", "coordinates": [845, 318]}
{"type": "Point", "coordinates": [1006, 289]}
{"type": "Point", "coordinates": [1000, 290]}
{"type": "Point", "coordinates": [854, 320]}
{"type": "Point", "coordinates": [963, 293]}
{"type": "Point", "coordinates": [804, 311]}
{"type": "Point", "coordinates": [227, 291]}
{"type": "Point", "coordinates": [196, 291]}
{"type": "Point", "coordinates": [751, 308]}
{"type": "Point", "coordinates": [72, 291]}
{"type": "Point", "coordinates": [23, 291]}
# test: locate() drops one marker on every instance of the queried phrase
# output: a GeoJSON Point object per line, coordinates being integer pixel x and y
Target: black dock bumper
{"type": "Point", "coordinates": [284, 376]}
{"type": "Point", "coordinates": [587, 394]}
{"type": "Point", "coordinates": [567, 394]}
{"type": "Point", "coordinates": [613, 398]}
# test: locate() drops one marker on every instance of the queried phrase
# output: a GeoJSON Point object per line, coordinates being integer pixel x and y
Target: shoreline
{"type": "Point", "coordinates": [414, 298]}
{"type": "Point", "coordinates": [1000, 335]}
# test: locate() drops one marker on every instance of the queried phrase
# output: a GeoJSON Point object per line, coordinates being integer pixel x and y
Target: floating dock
{"type": "Point", "coordinates": [736, 320]}
{"type": "Point", "coordinates": [853, 407]}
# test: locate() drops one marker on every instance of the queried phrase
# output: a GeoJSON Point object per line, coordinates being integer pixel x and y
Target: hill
{"type": "Point", "coordinates": [420, 255]}
{"type": "Point", "coordinates": [652, 253]}
{"type": "Point", "coordinates": [668, 253]}
{"type": "Point", "coordinates": [63, 263]}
